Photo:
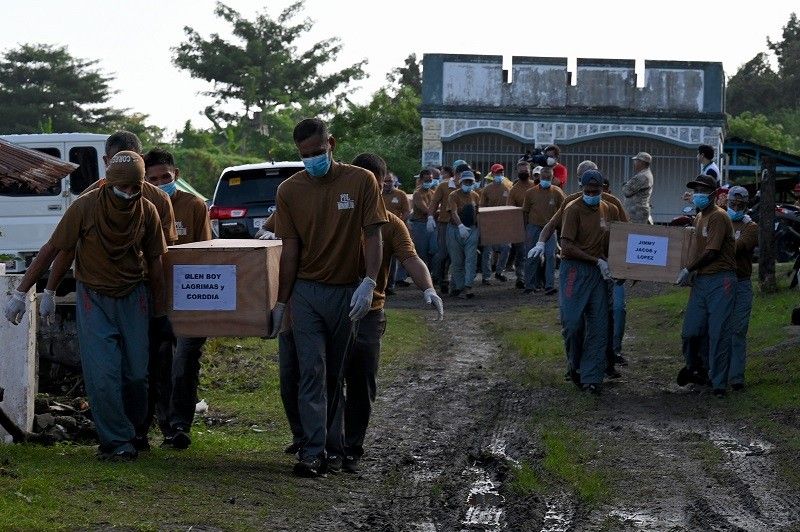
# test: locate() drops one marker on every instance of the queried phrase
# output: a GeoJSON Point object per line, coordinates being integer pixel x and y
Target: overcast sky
{"type": "Point", "coordinates": [132, 39]}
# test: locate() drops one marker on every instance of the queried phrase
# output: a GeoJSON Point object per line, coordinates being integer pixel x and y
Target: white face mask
{"type": "Point", "coordinates": [551, 161]}
{"type": "Point", "coordinates": [124, 195]}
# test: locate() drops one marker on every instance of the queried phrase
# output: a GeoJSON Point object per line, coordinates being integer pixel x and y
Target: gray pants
{"type": "Point", "coordinates": [441, 260]}
{"type": "Point", "coordinates": [322, 333]}
{"type": "Point", "coordinates": [487, 253]}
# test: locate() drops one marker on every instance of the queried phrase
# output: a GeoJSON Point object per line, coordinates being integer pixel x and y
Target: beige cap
{"type": "Point", "coordinates": [644, 157]}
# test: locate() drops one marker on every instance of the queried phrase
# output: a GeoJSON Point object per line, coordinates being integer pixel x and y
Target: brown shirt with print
{"type": "Point", "coordinates": [588, 227]}
{"type": "Point", "coordinates": [713, 230]}
{"type": "Point", "coordinates": [516, 196]}
{"type": "Point", "coordinates": [93, 267]}
{"type": "Point", "coordinates": [396, 203]}
{"type": "Point", "coordinates": [191, 218]}
{"type": "Point", "coordinates": [465, 205]}
{"type": "Point", "coordinates": [396, 243]}
{"type": "Point", "coordinates": [440, 201]}
{"type": "Point", "coordinates": [541, 204]}
{"type": "Point", "coordinates": [421, 204]}
{"type": "Point", "coordinates": [328, 215]}
{"type": "Point", "coordinates": [746, 237]}
{"type": "Point", "coordinates": [495, 195]}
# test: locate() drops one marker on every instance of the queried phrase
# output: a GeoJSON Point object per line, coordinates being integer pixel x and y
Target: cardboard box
{"type": "Point", "coordinates": [501, 225]}
{"type": "Point", "coordinates": [222, 287]}
{"type": "Point", "coordinates": [645, 252]}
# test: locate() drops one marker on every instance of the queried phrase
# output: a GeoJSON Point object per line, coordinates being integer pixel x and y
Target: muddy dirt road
{"type": "Point", "coordinates": [452, 427]}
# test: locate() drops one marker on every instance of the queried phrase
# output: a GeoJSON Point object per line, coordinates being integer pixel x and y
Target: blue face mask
{"type": "Point", "coordinates": [169, 188]}
{"type": "Point", "coordinates": [318, 165]}
{"type": "Point", "coordinates": [736, 216]}
{"type": "Point", "coordinates": [436, 182]}
{"type": "Point", "coordinates": [545, 183]}
{"type": "Point", "coordinates": [591, 201]}
{"type": "Point", "coordinates": [498, 179]}
{"type": "Point", "coordinates": [467, 188]}
{"type": "Point", "coordinates": [700, 201]}
{"type": "Point", "coordinates": [428, 185]}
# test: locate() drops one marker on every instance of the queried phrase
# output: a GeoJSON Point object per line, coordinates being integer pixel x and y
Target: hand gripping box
{"type": "Point", "coordinates": [645, 252]}
{"type": "Point", "coordinates": [501, 225]}
{"type": "Point", "coordinates": [222, 287]}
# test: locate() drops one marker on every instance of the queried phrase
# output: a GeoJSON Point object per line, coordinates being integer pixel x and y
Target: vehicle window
{"type": "Point", "coordinates": [20, 189]}
{"type": "Point", "coordinates": [249, 187]}
{"type": "Point", "coordinates": [87, 173]}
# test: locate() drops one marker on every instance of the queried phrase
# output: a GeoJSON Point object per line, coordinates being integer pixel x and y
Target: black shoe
{"type": "Point", "coordinates": [593, 389]}
{"type": "Point", "coordinates": [309, 468]}
{"type": "Point", "coordinates": [700, 376]}
{"type": "Point", "coordinates": [527, 291]}
{"type": "Point", "coordinates": [551, 291]}
{"type": "Point", "coordinates": [621, 360]}
{"type": "Point", "coordinates": [500, 277]}
{"type": "Point", "coordinates": [181, 440]}
{"type": "Point", "coordinates": [719, 393]}
{"type": "Point", "coordinates": [468, 293]}
{"type": "Point", "coordinates": [575, 377]}
{"type": "Point", "coordinates": [403, 283]}
{"type": "Point", "coordinates": [119, 456]}
{"type": "Point", "coordinates": [455, 293]}
{"type": "Point", "coordinates": [292, 448]}
{"type": "Point", "coordinates": [737, 386]}
{"type": "Point", "coordinates": [334, 463]}
{"type": "Point", "coordinates": [684, 376]}
{"type": "Point", "coordinates": [612, 373]}
{"type": "Point", "coordinates": [444, 287]}
{"type": "Point", "coordinates": [486, 282]}
{"type": "Point", "coordinates": [390, 292]}
{"type": "Point", "coordinates": [350, 464]}
{"type": "Point", "coordinates": [141, 443]}
{"type": "Point", "coordinates": [519, 284]}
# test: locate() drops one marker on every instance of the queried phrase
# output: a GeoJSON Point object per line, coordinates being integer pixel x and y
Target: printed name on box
{"type": "Point", "coordinates": [204, 287]}
{"type": "Point", "coordinates": [647, 249]}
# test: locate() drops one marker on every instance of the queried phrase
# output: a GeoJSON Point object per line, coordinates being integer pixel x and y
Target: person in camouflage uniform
{"type": "Point", "coordinates": [637, 190]}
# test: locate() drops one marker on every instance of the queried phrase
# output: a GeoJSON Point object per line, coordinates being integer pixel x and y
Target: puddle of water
{"type": "Point", "coordinates": [485, 502]}
{"type": "Point", "coordinates": [558, 517]}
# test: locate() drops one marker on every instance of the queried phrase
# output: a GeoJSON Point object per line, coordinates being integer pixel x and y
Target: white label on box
{"type": "Point", "coordinates": [647, 249]}
{"type": "Point", "coordinates": [203, 287]}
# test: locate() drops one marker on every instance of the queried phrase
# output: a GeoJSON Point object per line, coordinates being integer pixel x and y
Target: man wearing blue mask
{"type": "Point", "coordinates": [495, 194]}
{"type": "Point", "coordinates": [423, 221]}
{"type": "Point", "coordinates": [541, 203]}
{"type": "Point", "coordinates": [175, 373]}
{"type": "Point", "coordinates": [583, 281]}
{"type": "Point", "coordinates": [463, 235]}
{"type": "Point", "coordinates": [707, 324]}
{"type": "Point", "coordinates": [329, 217]}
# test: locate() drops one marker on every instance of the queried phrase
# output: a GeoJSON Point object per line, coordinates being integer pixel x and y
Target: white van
{"type": "Point", "coordinates": [28, 218]}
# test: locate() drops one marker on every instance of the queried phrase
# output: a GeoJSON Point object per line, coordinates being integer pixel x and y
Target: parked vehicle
{"type": "Point", "coordinates": [245, 197]}
{"type": "Point", "coordinates": [686, 219]}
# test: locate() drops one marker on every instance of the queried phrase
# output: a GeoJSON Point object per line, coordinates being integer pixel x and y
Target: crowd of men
{"type": "Point", "coordinates": [349, 236]}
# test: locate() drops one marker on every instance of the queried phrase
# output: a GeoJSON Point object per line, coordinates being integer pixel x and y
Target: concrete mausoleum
{"type": "Point", "coordinates": [471, 111]}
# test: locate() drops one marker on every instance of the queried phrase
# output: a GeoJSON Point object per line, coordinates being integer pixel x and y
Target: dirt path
{"type": "Point", "coordinates": [448, 428]}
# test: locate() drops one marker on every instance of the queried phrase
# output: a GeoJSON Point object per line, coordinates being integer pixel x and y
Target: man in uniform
{"type": "Point", "coordinates": [322, 214]}
{"type": "Point", "coordinates": [707, 324]}
{"type": "Point", "coordinates": [117, 240]}
{"type": "Point", "coordinates": [540, 204]}
{"type": "Point", "coordinates": [423, 221]}
{"type": "Point", "coordinates": [495, 194]}
{"type": "Point", "coordinates": [441, 260]}
{"type": "Point", "coordinates": [637, 190]}
{"type": "Point", "coordinates": [177, 375]}
{"type": "Point", "coordinates": [583, 277]}
{"type": "Point", "coordinates": [745, 232]}
{"type": "Point", "coordinates": [463, 235]}
{"type": "Point", "coordinates": [396, 202]}
{"type": "Point", "coordinates": [516, 198]}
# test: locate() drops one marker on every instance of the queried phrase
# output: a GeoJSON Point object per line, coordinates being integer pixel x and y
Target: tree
{"type": "Point", "coordinates": [409, 75]}
{"type": "Point", "coordinates": [45, 88]}
{"type": "Point", "coordinates": [755, 87]}
{"type": "Point", "coordinates": [262, 69]}
{"type": "Point", "coordinates": [761, 130]}
{"type": "Point", "coordinates": [784, 49]}
{"type": "Point", "coordinates": [150, 135]}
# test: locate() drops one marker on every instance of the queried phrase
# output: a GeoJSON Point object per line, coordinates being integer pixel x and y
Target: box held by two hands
{"type": "Point", "coordinates": [645, 252]}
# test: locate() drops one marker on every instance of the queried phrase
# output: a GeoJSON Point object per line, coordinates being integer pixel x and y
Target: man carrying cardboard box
{"type": "Point", "coordinates": [707, 324]}
{"type": "Point", "coordinates": [463, 235]}
{"type": "Point", "coordinates": [540, 204]}
{"type": "Point", "coordinates": [322, 214]}
{"type": "Point", "coordinates": [495, 194]}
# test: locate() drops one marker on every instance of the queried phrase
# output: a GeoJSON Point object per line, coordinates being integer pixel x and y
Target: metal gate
{"type": "Point", "coordinates": [482, 150]}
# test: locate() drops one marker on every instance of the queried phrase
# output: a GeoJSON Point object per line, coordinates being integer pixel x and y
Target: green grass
{"type": "Point", "coordinates": [525, 480]}
{"type": "Point", "coordinates": [234, 476]}
{"type": "Point", "coordinates": [569, 456]}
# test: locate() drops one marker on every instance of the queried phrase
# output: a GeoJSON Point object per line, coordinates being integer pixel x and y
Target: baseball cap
{"type": "Point", "coordinates": [497, 167]}
{"type": "Point", "coordinates": [705, 181]}
{"type": "Point", "coordinates": [644, 157]}
{"type": "Point", "coordinates": [461, 168]}
{"type": "Point", "coordinates": [467, 175]}
{"type": "Point", "coordinates": [537, 170]}
{"type": "Point", "coordinates": [738, 193]}
{"type": "Point", "coordinates": [459, 162]}
{"type": "Point", "coordinates": [592, 176]}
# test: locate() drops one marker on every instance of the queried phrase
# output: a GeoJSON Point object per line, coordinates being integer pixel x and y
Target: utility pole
{"type": "Point", "coordinates": [766, 229]}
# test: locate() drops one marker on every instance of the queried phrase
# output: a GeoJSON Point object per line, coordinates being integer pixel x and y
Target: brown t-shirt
{"type": "Point", "coordinates": [541, 204]}
{"type": "Point", "coordinates": [159, 199]}
{"type": "Point", "coordinates": [516, 196]}
{"type": "Point", "coordinates": [440, 201]}
{"type": "Point", "coordinates": [117, 278]}
{"type": "Point", "coordinates": [713, 230]}
{"type": "Point", "coordinates": [191, 218]}
{"type": "Point", "coordinates": [328, 215]}
{"type": "Point", "coordinates": [746, 237]}
{"type": "Point", "coordinates": [396, 243]}
{"type": "Point", "coordinates": [495, 195]}
{"type": "Point", "coordinates": [617, 213]}
{"type": "Point", "coordinates": [396, 203]}
{"type": "Point", "coordinates": [465, 205]}
{"type": "Point", "coordinates": [421, 204]}
{"type": "Point", "coordinates": [587, 227]}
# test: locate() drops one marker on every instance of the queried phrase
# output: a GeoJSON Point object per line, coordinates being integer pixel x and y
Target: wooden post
{"type": "Point", "coordinates": [766, 223]}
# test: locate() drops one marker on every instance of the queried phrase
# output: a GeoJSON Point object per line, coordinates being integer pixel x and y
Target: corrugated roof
{"type": "Point", "coordinates": [31, 168]}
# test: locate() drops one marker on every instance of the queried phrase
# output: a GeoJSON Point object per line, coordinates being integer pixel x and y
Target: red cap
{"type": "Point", "coordinates": [497, 168]}
{"type": "Point", "coordinates": [796, 188]}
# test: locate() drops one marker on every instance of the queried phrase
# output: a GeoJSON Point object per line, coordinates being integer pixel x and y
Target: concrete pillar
{"type": "Point", "coordinates": [17, 359]}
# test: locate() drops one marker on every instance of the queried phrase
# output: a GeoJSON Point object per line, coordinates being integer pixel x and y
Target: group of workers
{"type": "Point", "coordinates": [347, 235]}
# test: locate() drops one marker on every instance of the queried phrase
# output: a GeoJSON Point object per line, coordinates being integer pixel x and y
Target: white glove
{"type": "Point", "coordinates": [47, 305]}
{"type": "Point", "coordinates": [463, 231]}
{"type": "Point", "coordinates": [432, 298]}
{"type": "Point", "coordinates": [277, 319]}
{"type": "Point", "coordinates": [362, 299]}
{"type": "Point", "coordinates": [684, 278]}
{"type": "Point", "coordinates": [746, 219]}
{"type": "Point", "coordinates": [603, 265]}
{"type": "Point", "coordinates": [536, 251]}
{"type": "Point", "coordinates": [268, 235]}
{"type": "Point", "coordinates": [15, 308]}
{"type": "Point", "coordinates": [431, 224]}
